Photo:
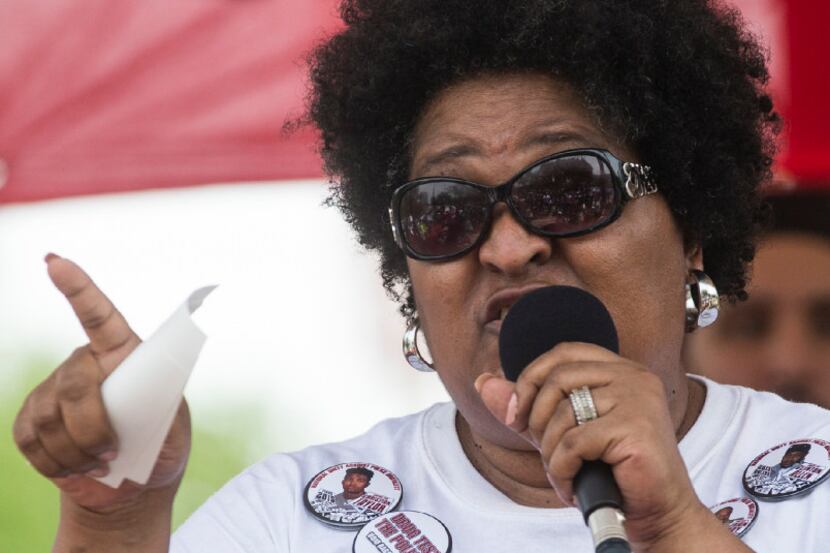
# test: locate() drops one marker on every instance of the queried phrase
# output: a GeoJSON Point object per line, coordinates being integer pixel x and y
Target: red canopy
{"type": "Point", "coordinates": [101, 96]}
{"type": "Point", "coordinates": [806, 155]}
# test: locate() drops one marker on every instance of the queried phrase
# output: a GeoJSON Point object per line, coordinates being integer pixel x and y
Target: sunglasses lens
{"type": "Point", "coordinates": [566, 195]}
{"type": "Point", "coordinates": [442, 218]}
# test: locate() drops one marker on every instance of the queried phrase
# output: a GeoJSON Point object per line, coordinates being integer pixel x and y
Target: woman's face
{"type": "Point", "coordinates": [486, 130]}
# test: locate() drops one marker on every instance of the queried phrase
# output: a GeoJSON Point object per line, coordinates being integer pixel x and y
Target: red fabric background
{"type": "Point", "coordinates": [101, 96]}
{"type": "Point", "coordinates": [806, 153]}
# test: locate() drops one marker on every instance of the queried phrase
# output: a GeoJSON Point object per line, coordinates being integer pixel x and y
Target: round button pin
{"type": "Point", "coordinates": [349, 495]}
{"type": "Point", "coordinates": [737, 514]}
{"type": "Point", "coordinates": [787, 470]}
{"type": "Point", "coordinates": [403, 531]}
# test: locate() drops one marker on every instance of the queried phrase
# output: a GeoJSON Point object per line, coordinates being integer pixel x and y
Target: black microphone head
{"type": "Point", "coordinates": [548, 316]}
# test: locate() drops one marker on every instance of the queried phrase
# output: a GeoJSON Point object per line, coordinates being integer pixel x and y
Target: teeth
{"type": "Point", "coordinates": [503, 312]}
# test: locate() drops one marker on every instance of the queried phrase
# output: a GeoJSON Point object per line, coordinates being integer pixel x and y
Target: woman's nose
{"type": "Point", "coordinates": [509, 247]}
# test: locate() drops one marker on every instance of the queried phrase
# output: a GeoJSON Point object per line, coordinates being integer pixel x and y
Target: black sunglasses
{"type": "Point", "coordinates": [567, 194]}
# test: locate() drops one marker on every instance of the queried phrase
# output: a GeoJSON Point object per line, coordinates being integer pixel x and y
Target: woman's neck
{"type": "Point", "coordinates": [519, 474]}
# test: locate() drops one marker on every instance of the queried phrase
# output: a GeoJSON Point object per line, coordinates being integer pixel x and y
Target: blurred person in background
{"type": "Point", "coordinates": [779, 338]}
{"type": "Point", "coordinates": [613, 147]}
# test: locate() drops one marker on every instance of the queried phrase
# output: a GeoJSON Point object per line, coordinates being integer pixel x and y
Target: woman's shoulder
{"type": "Point", "coordinates": [754, 406]}
{"type": "Point", "coordinates": [263, 501]}
{"type": "Point", "coordinates": [739, 423]}
{"type": "Point", "coordinates": [382, 444]}
{"type": "Point", "coordinates": [733, 453]}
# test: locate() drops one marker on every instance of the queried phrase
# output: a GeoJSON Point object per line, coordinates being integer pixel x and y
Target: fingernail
{"type": "Point", "coordinates": [99, 472]}
{"type": "Point", "coordinates": [50, 256]}
{"type": "Point", "coordinates": [108, 455]}
{"type": "Point", "coordinates": [512, 406]}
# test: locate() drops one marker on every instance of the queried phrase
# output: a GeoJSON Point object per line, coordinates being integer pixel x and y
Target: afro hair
{"type": "Point", "coordinates": [682, 82]}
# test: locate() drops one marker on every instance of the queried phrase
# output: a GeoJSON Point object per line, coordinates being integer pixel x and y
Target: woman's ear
{"type": "Point", "coordinates": [694, 256]}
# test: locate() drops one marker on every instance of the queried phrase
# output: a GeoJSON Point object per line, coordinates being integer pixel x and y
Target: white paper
{"type": "Point", "coordinates": [143, 394]}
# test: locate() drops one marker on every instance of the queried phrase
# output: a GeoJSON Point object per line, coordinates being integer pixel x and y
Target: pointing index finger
{"type": "Point", "coordinates": [103, 323]}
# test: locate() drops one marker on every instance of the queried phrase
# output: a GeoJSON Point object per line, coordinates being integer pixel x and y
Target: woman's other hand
{"type": "Point", "coordinates": [63, 429]}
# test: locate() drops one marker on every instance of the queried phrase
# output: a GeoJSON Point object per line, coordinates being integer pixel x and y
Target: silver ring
{"type": "Point", "coordinates": [583, 405]}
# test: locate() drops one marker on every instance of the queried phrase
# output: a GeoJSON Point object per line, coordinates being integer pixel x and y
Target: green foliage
{"type": "Point", "coordinates": [29, 502]}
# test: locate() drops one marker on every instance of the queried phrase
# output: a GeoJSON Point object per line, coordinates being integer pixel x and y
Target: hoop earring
{"type": "Point", "coordinates": [702, 301]}
{"type": "Point", "coordinates": [410, 347]}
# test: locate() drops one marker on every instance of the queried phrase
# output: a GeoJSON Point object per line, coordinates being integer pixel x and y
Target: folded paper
{"type": "Point", "coordinates": [143, 394]}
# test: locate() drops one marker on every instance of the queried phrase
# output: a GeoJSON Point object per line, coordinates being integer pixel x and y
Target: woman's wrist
{"type": "Point", "coordinates": [696, 531]}
{"type": "Point", "coordinates": [137, 525]}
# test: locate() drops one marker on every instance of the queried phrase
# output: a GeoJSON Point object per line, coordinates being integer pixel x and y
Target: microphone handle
{"type": "Point", "coordinates": [600, 501]}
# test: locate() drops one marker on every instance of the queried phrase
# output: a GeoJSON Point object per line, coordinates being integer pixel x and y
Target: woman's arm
{"type": "Point", "coordinates": [64, 432]}
{"type": "Point", "coordinates": [141, 526]}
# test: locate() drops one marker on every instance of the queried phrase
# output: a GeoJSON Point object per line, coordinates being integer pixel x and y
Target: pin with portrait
{"type": "Point", "coordinates": [737, 514]}
{"type": "Point", "coordinates": [790, 469]}
{"type": "Point", "coordinates": [403, 531]}
{"type": "Point", "coordinates": [349, 495]}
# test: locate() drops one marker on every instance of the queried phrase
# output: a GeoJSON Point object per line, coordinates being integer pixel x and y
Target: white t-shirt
{"type": "Point", "coordinates": [262, 509]}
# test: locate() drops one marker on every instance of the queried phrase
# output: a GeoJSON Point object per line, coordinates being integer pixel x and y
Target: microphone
{"type": "Point", "coordinates": [534, 325]}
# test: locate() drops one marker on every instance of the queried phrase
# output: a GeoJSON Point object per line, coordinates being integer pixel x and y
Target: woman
{"type": "Point", "coordinates": [659, 102]}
